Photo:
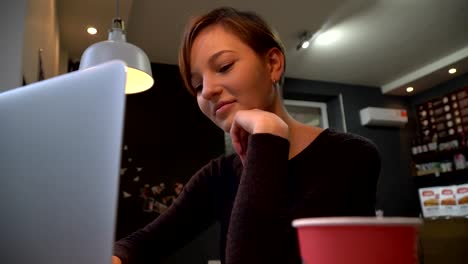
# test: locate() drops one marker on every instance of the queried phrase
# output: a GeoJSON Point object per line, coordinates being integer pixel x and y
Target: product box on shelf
{"type": "Point", "coordinates": [429, 198]}
{"type": "Point", "coordinates": [448, 202]}
{"type": "Point", "coordinates": [444, 201]}
{"type": "Point", "coordinates": [462, 93]}
{"type": "Point", "coordinates": [462, 199]}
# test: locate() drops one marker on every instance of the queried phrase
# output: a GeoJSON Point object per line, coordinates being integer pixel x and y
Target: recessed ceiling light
{"type": "Point", "coordinates": [328, 37]}
{"type": "Point", "coordinates": [452, 71]}
{"type": "Point", "coordinates": [91, 30]}
{"type": "Point", "coordinates": [409, 89]}
{"type": "Point", "coordinates": [305, 45]}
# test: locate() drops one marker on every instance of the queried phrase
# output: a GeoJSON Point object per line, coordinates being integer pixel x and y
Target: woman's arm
{"type": "Point", "coordinates": [260, 228]}
{"type": "Point", "coordinates": [259, 232]}
{"type": "Point", "coordinates": [262, 141]}
{"type": "Point", "coordinates": [193, 211]}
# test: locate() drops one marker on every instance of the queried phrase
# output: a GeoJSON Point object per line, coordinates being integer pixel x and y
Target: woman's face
{"type": "Point", "coordinates": [229, 76]}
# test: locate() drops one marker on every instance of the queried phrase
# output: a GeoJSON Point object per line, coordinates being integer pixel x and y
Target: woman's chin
{"type": "Point", "coordinates": [225, 126]}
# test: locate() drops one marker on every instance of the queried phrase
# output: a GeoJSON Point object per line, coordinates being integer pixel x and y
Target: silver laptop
{"type": "Point", "coordinates": [60, 142]}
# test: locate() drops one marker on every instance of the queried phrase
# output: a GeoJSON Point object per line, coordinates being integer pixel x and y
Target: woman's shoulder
{"type": "Point", "coordinates": [348, 141]}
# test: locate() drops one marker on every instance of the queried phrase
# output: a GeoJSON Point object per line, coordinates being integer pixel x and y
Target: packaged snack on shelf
{"type": "Point", "coordinates": [463, 103]}
{"type": "Point", "coordinates": [462, 94]}
{"type": "Point", "coordinates": [448, 202]}
{"type": "Point", "coordinates": [428, 168]}
{"type": "Point", "coordinates": [462, 199]}
{"type": "Point", "coordinates": [430, 201]}
{"type": "Point", "coordinates": [460, 161]}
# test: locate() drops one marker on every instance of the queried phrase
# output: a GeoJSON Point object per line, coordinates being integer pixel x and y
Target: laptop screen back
{"type": "Point", "coordinates": [60, 142]}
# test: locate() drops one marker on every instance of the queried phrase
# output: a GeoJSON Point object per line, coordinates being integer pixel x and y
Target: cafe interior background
{"type": "Point", "coordinates": [395, 72]}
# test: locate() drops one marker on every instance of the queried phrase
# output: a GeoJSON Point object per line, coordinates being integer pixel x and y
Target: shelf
{"type": "Point", "coordinates": [444, 179]}
{"type": "Point", "coordinates": [447, 220]}
{"type": "Point", "coordinates": [444, 241]}
{"type": "Point", "coordinates": [435, 156]}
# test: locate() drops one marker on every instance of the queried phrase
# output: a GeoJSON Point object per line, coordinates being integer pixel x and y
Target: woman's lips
{"type": "Point", "coordinates": [223, 107]}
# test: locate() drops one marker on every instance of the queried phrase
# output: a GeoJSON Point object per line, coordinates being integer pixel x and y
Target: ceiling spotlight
{"type": "Point", "coordinates": [91, 30]}
{"type": "Point", "coordinates": [452, 71]}
{"type": "Point", "coordinates": [304, 40]}
{"type": "Point", "coordinates": [409, 89]}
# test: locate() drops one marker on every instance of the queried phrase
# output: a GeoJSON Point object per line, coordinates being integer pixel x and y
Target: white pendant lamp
{"type": "Point", "coordinates": [139, 76]}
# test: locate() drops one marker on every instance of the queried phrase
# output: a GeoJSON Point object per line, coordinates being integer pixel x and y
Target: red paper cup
{"type": "Point", "coordinates": [358, 240]}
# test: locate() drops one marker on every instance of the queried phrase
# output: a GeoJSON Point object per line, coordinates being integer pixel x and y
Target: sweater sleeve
{"type": "Point", "coordinates": [192, 212]}
{"type": "Point", "coordinates": [257, 226]}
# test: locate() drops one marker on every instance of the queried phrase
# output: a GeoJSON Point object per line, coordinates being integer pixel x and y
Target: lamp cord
{"type": "Point", "coordinates": [117, 8]}
{"type": "Point", "coordinates": [117, 22]}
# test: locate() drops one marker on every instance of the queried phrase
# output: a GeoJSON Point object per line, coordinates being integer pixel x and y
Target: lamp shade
{"type": "Point", "coordinates": [139, 76]}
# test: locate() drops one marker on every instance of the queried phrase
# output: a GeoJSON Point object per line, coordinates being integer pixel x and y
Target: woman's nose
{"type": "Point", "coordinates": [210, 89]}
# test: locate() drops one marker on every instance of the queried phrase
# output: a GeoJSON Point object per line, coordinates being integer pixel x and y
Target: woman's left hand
{"type": "Point", "coordinates": [249, 122]}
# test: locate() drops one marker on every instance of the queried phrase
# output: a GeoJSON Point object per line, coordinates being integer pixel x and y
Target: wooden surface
{"type": "Point", "coordinates": [444, 241]}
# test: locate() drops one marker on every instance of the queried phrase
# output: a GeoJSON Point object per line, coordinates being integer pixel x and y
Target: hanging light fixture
{"type": "Point", "coordinates": [304, 40]}
{"type": "Point", "coordinates": [139, 76]}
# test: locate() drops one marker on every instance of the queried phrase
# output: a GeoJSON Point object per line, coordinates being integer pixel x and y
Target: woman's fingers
{"type": "Point", "coordinates": [235, 138]}
{"type": "Point", "coordinates": [247, 122]}
{"type": "Point", "coordinates": [239, 139]}
{"type": "Point", "coordinates": [244, 140]}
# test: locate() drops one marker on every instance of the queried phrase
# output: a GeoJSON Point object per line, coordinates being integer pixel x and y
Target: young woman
{"type": "Point", "coordinates": [233, 63]}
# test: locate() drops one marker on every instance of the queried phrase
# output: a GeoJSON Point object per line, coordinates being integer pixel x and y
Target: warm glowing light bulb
{"type": "Point", "coordinates": [92, 30]}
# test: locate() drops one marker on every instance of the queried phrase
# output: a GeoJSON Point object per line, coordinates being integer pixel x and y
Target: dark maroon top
{"type": "Point", "coordinates": [336, 175]}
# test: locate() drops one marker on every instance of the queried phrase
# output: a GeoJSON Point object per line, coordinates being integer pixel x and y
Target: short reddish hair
{"type": "Point", "coordinates": [249, 27]}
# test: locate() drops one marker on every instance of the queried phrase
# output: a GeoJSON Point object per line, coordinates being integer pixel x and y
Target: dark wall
{"type": "Point", "coordinates": [168, 139]}
{"type": "Point", "coordinates": [396, 193]}
{"type": "Point", "coordinates": [437, 91]}
{"type": "Point", "coordinates": [441, 89]}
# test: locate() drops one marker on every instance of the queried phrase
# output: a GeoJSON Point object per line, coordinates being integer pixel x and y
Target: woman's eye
{"type": "Point", "coordinates": [198, 88]}
{"type": "Point", "coordinates": [225, 68]}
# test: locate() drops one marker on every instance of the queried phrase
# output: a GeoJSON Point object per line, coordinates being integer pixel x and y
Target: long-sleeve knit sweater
{"type": "Point", "coordinates": [336, 175]}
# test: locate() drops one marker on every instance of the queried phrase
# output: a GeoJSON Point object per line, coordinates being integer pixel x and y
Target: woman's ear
{"type": "Point", "coordinates": [275, 61]}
